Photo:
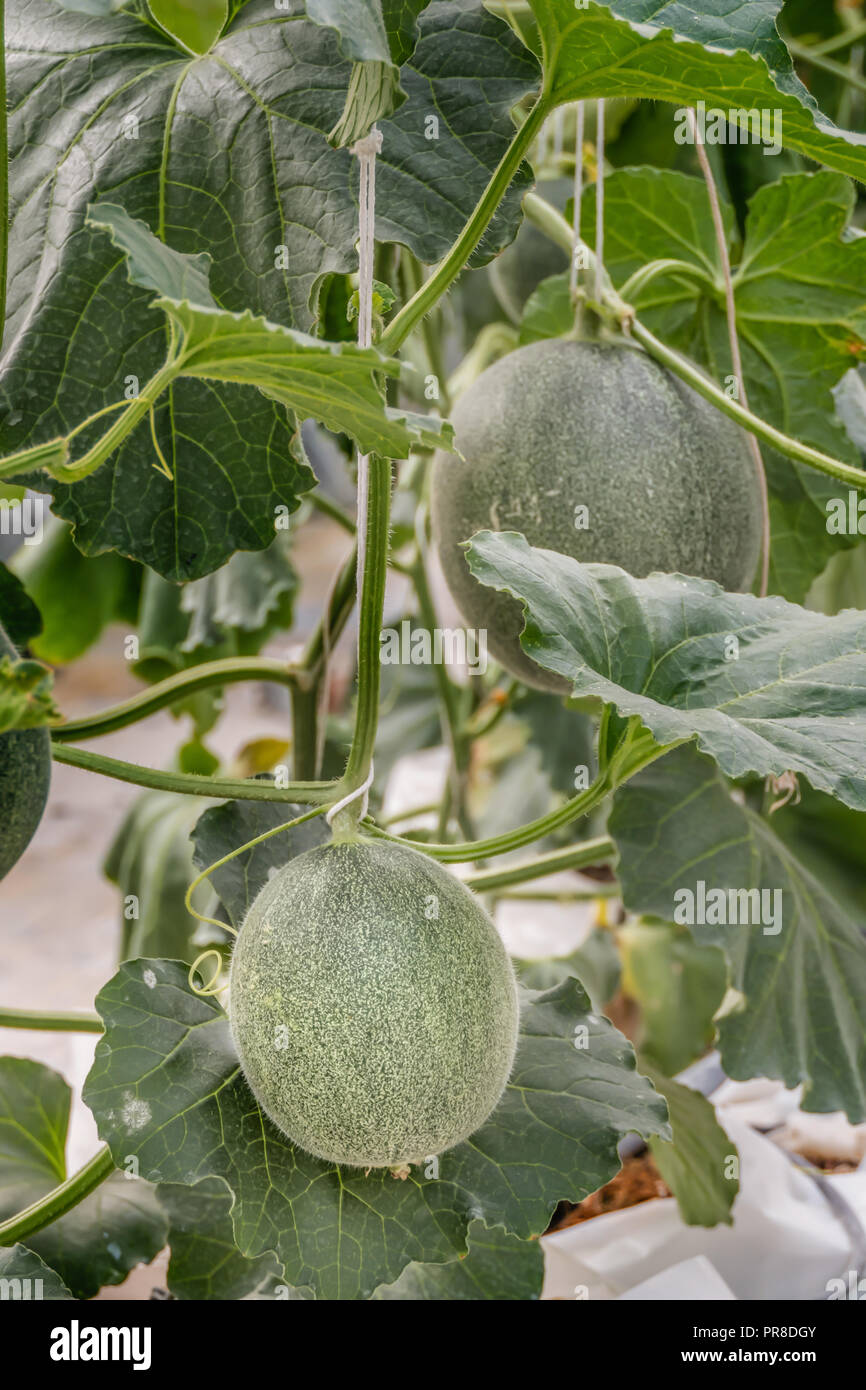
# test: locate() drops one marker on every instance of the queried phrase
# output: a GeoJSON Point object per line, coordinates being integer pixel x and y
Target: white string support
{"type": "Point", "coordinates": [578, 196]}
{"type": "Point", "coordinates": [362, 791]}
{"type": "Point", "coordinates": [599, 199]}
{"type": "Point", "coordinates": [366, 151]}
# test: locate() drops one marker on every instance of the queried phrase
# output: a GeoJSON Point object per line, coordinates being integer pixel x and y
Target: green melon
{"type": "Point", "coordinates": [25, 775]}
{"type": "Point", "coordinates": [668, 482]}
{"type": "Point", "coordinates": [372, 1004]}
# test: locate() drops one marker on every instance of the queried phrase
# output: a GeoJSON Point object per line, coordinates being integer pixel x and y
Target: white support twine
{"type": "Point", "coordinates": [578, 196]}
{"type": "Point", "coordinates": [366, 151]}
{"type": "Point", "coordinates": [363, 790]}
{"type": "Point", "coordinates": [599, 198]}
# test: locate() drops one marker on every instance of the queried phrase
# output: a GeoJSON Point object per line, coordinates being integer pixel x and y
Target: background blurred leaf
{"type": "Point", "coordinates": [801, 1011]}
{"type": "Point", "coordinates": [76, 596]}
{"type": "Point", "coordinates": [696, 1164]}
{"type": "Point", "coordinates": [117, 1227]}
{"type": "Point", "coordinates": [678, 984]}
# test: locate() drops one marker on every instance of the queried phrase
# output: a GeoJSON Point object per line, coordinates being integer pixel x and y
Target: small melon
{"type": "Point", "coordinates": [597, 452]}
{"type": "Point", "coordinates": [372, 1004]}
{"type": "Point", "coordinates": [25, 775]}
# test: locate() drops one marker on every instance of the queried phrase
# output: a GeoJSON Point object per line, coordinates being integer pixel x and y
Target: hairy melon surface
{"type": "Point", "coordinates": [668, 482]}
{"type": "Point", "coordinates": [25, 774]}
{"type": "Point", "coordinates": [372, 1004]}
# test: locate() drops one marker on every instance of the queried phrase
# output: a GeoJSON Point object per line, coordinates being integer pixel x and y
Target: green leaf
{"type": "Point", "coordinates": [197, 24]}
{"type": "Point", "coordinates": [700, 1164]}
{"type": "Point", "coordinates": [26, 701]}
{"type": "Point", "coordinates": [829, 838]}
{"type": "Point", "coordinates": [231, 155]}
{"type": "Point", "coordinates": [409, 709]}
{"type": "Point", "coordinates": [843, 583]}
{"type": "Point", "coordinates": [166, 1086]}
{"type": "Point", "coordinates": [590, 52]}
{"type": "Point", "coordinates": [150, 860]}
{"type": "Point", "coordinates": [205, 1262]}
{"type": "Point", "coordinates": [379, 35]}
{"type": "Point", "coordinates": [565, 737]}
{"type": "Point", "coordinates": [799, 1008]}
{"type": "Point", "coordinates": [360, 24]}
{"type": "Point", "coordinates": [231, 612]}
{"type": "Point", "coordinates": [223, 828]}
{"type": "Point", "coordinates": [595, 964]}
{"type": "Point", "coordinates": [678, 984]}
{"type": "Point", "coordinates": [19, 615]}
{"type": "Point", "coordinates": [241, 604]}
{"type": "Point", "coordinates": [117, 1227]}
{"type": "Point", "coordinates": [760, 684]}
{"type": "Point", "coordinates": [381, 31]}
{"type": "Point", "coordinates": [25, 1276]}
{"type": "Point", "coordinates": [330, 382]}
{"type": "Point", "coordinates": [750, 25]}
{"type": "Point", "coordinates": [77, 597]}
{"type": "Point", "coordinates": [497, 1266]}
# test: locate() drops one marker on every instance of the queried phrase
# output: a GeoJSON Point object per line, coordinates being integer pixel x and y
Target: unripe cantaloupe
{"type": "Point", "coordinates": [668, 482]}
{"type": "Point", "coordinates": [372, 1004]}
{"type": "Point", "coordinates": [25, 775]}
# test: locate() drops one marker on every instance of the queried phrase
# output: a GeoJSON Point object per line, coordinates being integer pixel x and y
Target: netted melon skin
{"type": "Point", "coordinates": [668, 482]}
{"type": "Point", "coordinates": [25, 776]}
{"type": "Point", "coordinates": [371, 1030]}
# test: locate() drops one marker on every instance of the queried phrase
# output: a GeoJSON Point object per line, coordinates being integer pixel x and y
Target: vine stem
{"type": "Point", "coordinates": [114, 436]}
{"type": "Point", "coordinates": [41, 1021]}
{"type": "Point", "coordinates": [802, 453]}
{"type": "Point", "coordinates": [734, 342]}
{"type": "Point", "coordinates": [450, 699]}
{"type": "Point", "coordinates": [371, 599]}
{"type": "Point", "coordinates": [597, 851]}
{"type": "Point", "coordinates": [447, 271]}
{"type": "Point", "coordinates": [513, 839]}
{"type": "Point", "coordinates": [4, 175]}
{"type": "Point", "coordinates": [550, 221]}
{"type": "Point", "coordinates": [60, 1200]}
{"type": "Point", "coordinates": [225, 672]}
{"type": "Point", "coordinates": [635, 751]}
{"type": "Point", "coordinates": [191, 784]}
{"type": "Point", "coordinates": [800, 50]}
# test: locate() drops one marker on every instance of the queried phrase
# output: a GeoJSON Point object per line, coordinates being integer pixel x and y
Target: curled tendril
{"type": "Point", "coordinates": [212, 987]}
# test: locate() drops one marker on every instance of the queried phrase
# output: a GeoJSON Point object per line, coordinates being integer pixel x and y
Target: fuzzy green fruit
{"type": "Point", "coordinates": [372, 1004]}
{"type": "Point", "coordinates": [25, 775]}
{"type": "Point", "coordinates": [668, 482]}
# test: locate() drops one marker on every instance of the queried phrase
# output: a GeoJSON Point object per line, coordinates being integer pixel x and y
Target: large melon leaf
{"type": "Point", "coordinates": [760, 684]}
{"type": "Point", "coordinates": [166, 1086]}
{"type": "Point", "coordinates": [798, 1011]}
{"type": "Point", "coordinates": [227, 151]}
